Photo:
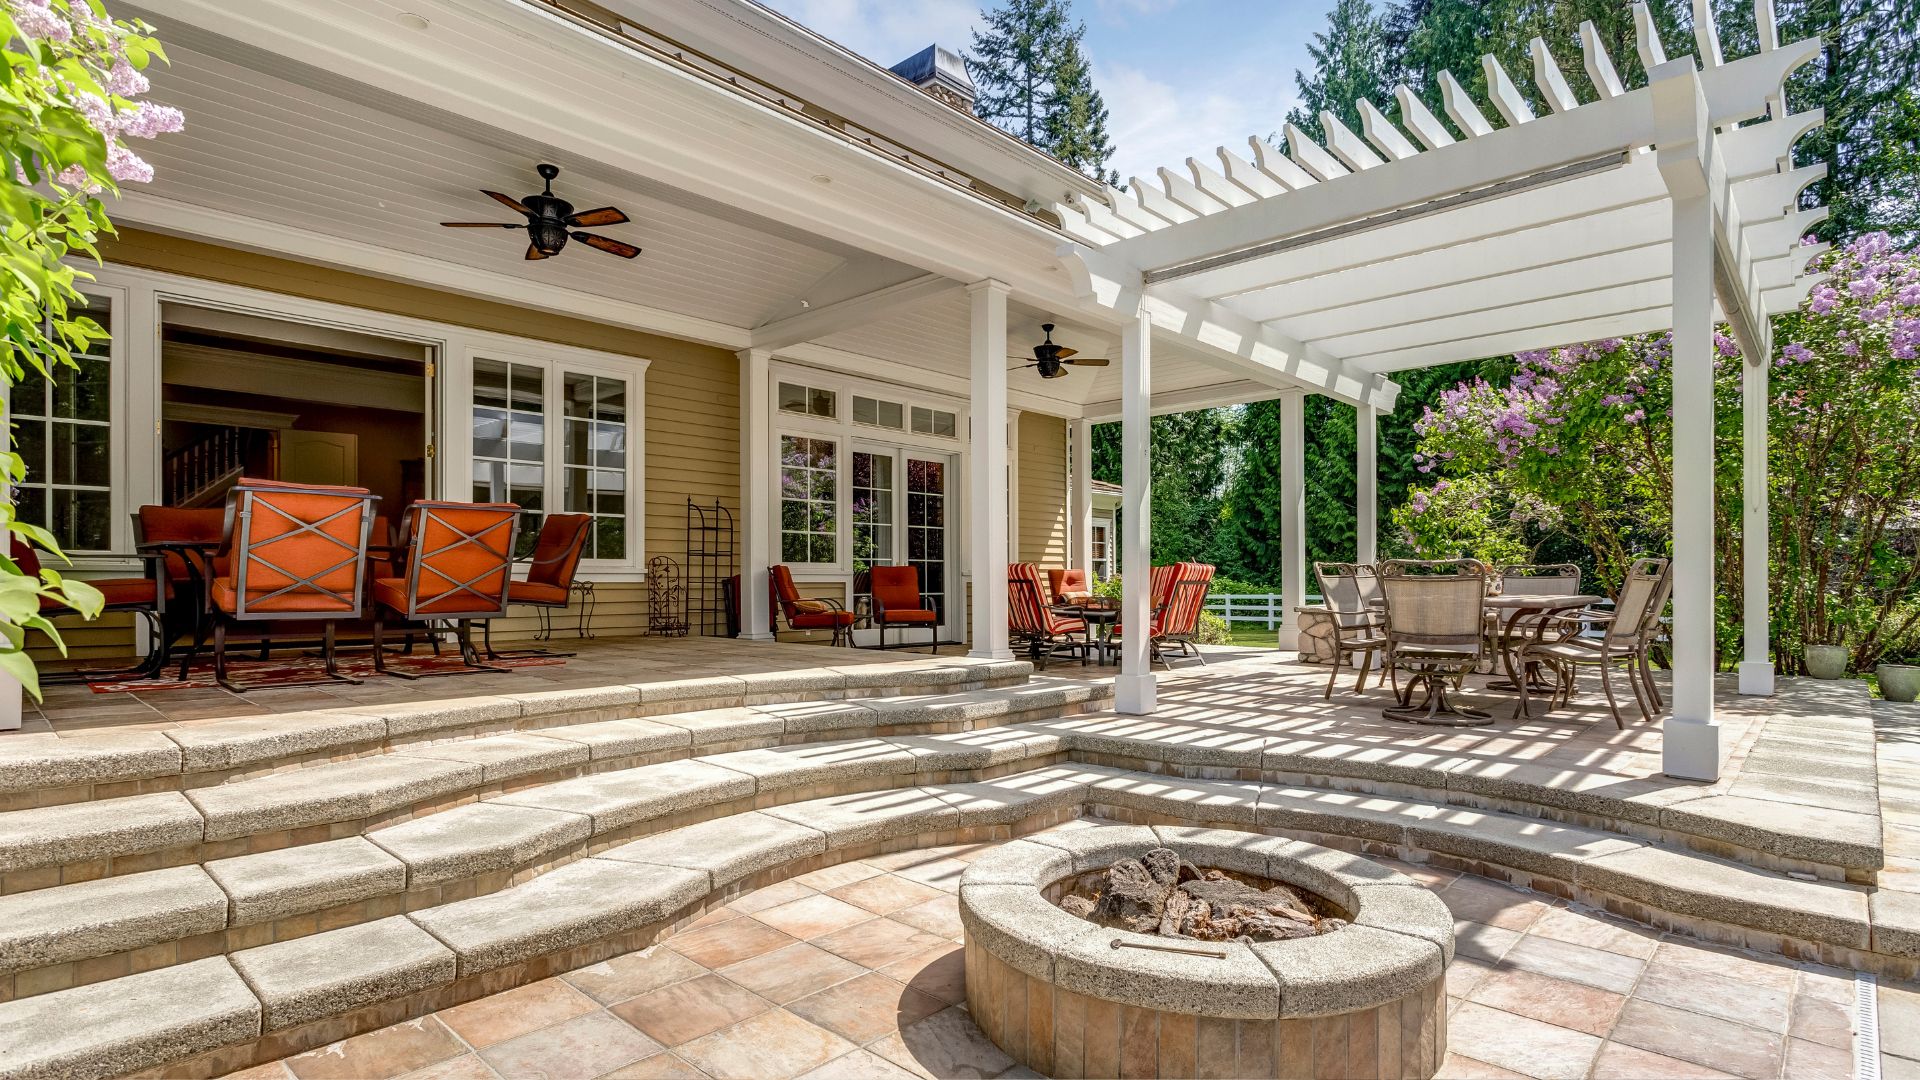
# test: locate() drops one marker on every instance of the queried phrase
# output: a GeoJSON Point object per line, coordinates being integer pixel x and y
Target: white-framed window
{"type": "Point", "coordinates": [802, 400]}
{"type": "Point", "coordinates": [878, 412]}
{"type": "Point", "coordinates": [556, 435]}
{"type": "Point", "coordinates": [63, 428]}
{"type": "Point", "coordinates": [1102, 553]}
{"type": "Point", "coordinates": [936, 422]}
{"type": "Point", "coordinates": [809, 500]}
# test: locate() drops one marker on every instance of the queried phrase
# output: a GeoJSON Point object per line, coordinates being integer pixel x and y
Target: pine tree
{"type": "Point", "coordinates": [1033, 78]}
{"type": "Point", "coordinates": [1350, 62]}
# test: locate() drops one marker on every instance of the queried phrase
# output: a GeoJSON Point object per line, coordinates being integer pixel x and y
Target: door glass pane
{"type": "Point", "coordinates": [594, 458]}
{"type": "Point", "coordinates": [926, 528]}
{"type": "Point", "coordinates": [872, 509]}
{"type": "Point", "coordinates": [809, 525]}
{"type": "Point", "coordinates": [509, 439]}
{"type": "Point", "coordinates": [63, 429]}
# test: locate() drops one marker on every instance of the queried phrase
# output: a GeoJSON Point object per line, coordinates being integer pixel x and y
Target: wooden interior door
{"type": "Point", "coordinates": [320, 457]}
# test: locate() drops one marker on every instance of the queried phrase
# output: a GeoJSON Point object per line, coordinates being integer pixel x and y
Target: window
{"type": "Point", "coordinates": [872, 509]}
{"type": "Point", "coordinates": [808, 401]}
{"type": "Point", "coordinates": [595, 459]}
{"type": "Point", "coordinates": [809, 510]}
{"type": "Point", "coordinates": [554, 437]}
{"type": "Point", "coordinates": [1101, 554]}
{"type": "Point", "coordinates": [63, 429]}
{"type": "Point", "coordinates": [933, 422]}
{"type": "Point", "coordinates": [886, 414]}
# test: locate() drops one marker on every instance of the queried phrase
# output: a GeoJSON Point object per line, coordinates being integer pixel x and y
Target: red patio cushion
{"type": "Point", "coordinates": [821, 620]}
{"type": "Point", "coordinates": [535, 592]}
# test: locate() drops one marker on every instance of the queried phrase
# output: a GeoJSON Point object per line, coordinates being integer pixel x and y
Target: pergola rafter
{"type": "Point", "coordinates": [1419, 240]}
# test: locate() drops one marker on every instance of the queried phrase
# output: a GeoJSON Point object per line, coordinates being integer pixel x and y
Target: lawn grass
{"type": "Point", "coordinates": [1254, 635]}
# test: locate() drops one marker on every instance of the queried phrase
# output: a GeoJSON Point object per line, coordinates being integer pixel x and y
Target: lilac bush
{"type": "Point", "coordinates": [1577, 442]}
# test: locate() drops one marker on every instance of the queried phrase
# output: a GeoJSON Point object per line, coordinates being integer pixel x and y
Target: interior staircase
{"type": "Point", "coordinates": [272, 884]}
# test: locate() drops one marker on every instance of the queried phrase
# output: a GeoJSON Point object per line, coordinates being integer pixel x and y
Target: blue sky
{"type": "Point", "coordinates": [1180, 77]}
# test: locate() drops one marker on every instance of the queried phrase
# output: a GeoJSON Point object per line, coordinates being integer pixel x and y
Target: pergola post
{"type": "Point", "coordinates": [1081, 540]}
{"type": "Point", "coordinates": [756, 492]}
{"type": "Point", "coordinates": [1366, 497]}
{"type": "Point", "coordinates": [1293, 515]}
{"type": "Point", "coordinates": [1756, 662]}
{"type": "Point", "coordinates": [1133, 688]}
{"type": "Point", "coordinates": [987, 516]}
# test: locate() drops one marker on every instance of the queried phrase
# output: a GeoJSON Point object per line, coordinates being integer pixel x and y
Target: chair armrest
{"type": "Point", "coordinates": [827, 600]}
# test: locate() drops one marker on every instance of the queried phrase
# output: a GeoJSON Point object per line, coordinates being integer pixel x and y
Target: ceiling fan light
{"type": "Point", "coordinates": [548, 236]}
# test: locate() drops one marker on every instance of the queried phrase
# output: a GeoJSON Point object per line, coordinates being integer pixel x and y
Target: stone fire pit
{"type": "Point", "coordinates": [1366, 999]}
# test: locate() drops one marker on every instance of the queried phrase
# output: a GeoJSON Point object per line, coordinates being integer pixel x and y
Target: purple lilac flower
{"type": "Point", "coordinates": [37, 19]}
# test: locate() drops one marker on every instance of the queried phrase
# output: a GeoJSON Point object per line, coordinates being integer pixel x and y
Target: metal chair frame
{"type": "Point", "coordinates": [1434, 659]}
{"type": "Point", "coordinates": [570, 552]}
{"type": "Point", "coordinates": [1357, 626]}
{"type": "Point", "coordinates": [488, 606]}
{"type": "Point", "coordinates": [1044, 641]}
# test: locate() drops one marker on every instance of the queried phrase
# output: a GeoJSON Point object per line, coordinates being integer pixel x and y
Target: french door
{"type": "Point", "coordinates": [900, 509]}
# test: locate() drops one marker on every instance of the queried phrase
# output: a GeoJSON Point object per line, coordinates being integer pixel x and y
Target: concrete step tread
{"type": "Point", "coordinates": [122, 1025]}
{"type": "Point", "coordinates": [289, 881]}
{"type": "Point", "coordinates": [107, 916]}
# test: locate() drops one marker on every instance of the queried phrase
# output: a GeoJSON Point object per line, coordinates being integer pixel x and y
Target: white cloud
{"type": "Point", "coordinates": [1153, 122]}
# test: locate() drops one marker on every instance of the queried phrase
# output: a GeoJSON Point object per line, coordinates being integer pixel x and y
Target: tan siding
{"type": "Point", "coordinates": [1043, 490]}
{"type": "Point", "coordinates": [692, 390]}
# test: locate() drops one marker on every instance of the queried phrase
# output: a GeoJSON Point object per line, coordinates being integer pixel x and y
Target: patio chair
{"type": "Point", "coordinates": [1160, 582]}
{"type": "Point", "coordinates": [807, 613]}
{"type": "Point", "coordinates": [294, 552]}
{"type": "Point", "coordinates": [1066, 586]}
{"type": "Point", "coordinates": [1540, 579]}
{"type": "Point", "coordinates": [1347, 589]}
{"type": "Point", "coordinates": [187, 539]}
{"type": "Point", "coordinates": [898, 601]}
{"type": "Point", "coordinates": [1177, 593]}
{"type": "Point", "coordinates": [550, 574]}
{"type": "Point", "coordinates": [459, 566]}
{"type": "Point", "coordinates": [1035, 624]}
{"type": "Point", "coordinates": [139, 596]}
{"type": "Point", "coordinates": [1434, 631]}
{"type": "Point", "coordinates": [1625, 636]}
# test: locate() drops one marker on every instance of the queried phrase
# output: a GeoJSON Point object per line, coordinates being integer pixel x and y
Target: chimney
{"type": "Point", "coordinates": [941, 73]}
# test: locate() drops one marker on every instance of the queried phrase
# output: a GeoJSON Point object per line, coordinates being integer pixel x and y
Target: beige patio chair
{"type": "Point", "coordinates": [1539, 579]}
{"type": "Point", "coordinates": [1358, 625]}
{"type": "Point", "coordinates": [1434, 632]}
{"type": "Point", "coordinates": [1625, 636]}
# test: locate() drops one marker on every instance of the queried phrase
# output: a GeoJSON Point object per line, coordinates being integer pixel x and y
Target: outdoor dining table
{"type": "Point", "coordinates": [1098, 617]}
{"type": "Point", "coordinates": [1517, 606]}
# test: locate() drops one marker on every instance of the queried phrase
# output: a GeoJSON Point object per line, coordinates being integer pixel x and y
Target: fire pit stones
{"type": "Point", "coordinates": [1367, 999]}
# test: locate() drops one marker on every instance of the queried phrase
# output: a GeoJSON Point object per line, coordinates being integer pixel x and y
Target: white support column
{"type": "Point", "coordinates": [1081, 555]}
{"type": "Point", "coordinates": [1756, 662]}
{"type": "Point", "coordinates": [987, 515]}
{"type": "Point", "coordinates": [1293, 516]}
{"type": "Point", "coordinates": [1691, 736]}
{"type": "Point", "coordinates": [1133, 688]}
{"type": "Point", "coordinates": [756, 492]}
{"type": "Point", "coordinates": [1366, 488]}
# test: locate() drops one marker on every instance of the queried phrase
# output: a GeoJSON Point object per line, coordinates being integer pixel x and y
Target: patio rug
{"type": "Point", "coordinates": [265, 676]}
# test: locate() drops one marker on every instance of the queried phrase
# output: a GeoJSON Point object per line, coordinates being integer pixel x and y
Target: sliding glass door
{"type": "Point", "coordinates": [898, 509]}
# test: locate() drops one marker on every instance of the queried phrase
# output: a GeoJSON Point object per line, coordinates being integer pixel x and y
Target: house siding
{"type": "Point", "coordinates": [1042, 471]}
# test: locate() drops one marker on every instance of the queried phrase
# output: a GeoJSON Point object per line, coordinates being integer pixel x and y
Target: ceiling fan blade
{"type": "Point", "coordinates": [534, 253]}
{"type": "Point", "coordinates": [506, 200]}
{"type": "Point", "coordinates": [1089, 361]}
{"type": "Point", "coordinates": [611, 247]}
{"type": "Point", "coordinates": [606, 215]}
{"type": "Point", "coordinates": [1062, 352]}
{"type": "Point", "coordinates": [481, 225]}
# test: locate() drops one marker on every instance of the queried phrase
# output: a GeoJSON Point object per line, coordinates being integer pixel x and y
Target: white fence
{"type": "Point", "coordinates": [1259, 608]}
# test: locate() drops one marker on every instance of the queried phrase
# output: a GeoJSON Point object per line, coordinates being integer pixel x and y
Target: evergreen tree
{"type": "Point", "coordinates": [1349, 62]}
{"type": "Point", "coordinates": [1032, 78]}
{"type": "Point", "coordinates": [1190, 457]}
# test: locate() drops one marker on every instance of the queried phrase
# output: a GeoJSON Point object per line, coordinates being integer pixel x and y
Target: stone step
{"type": "Point", "coordinates": [46, 769]}
{"type": "Point", "coordinates": [43, 846]}
{"type": "Point", "coordinates": [629, 895]}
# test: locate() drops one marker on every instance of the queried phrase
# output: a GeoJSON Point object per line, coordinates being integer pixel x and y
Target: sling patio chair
{"type": "Point", "coordinates": [898, 601]}
{"type": "Point", "coordinates": [1033, 622]}
{"type": "Point", "coordinates": [1435, 632]}
{"type": "Point", "coordinates": [550, 573]}
{"type": "Point", "coordinates": [1626, 636]}
{"type": "Point", "coordinates": [459, 566]}
{"type": "Point", "coordinates": [807, 613]}
{"type": "Point", "coordinates": [293, 553]}
{"type": "Point", "coordinates": [1539, 579]}
{"type": "Point", "coordinates": [1177, 592]}
{"type": "Point", "coordinates": [1359, 626]}
{"type": "Point", "coordinates": [140, 596]}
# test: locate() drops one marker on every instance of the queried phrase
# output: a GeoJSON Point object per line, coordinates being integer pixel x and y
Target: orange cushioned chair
{"type": "Point", "coordinates": [1044, 632]}
{"type": "Point", "coordinates": [549, 584]}
{"type": "Point", "coordinates": [818, 613]}
{"type": "Point", "coordinates": [1178, 593]}
{"type": "Point", "coordinates": [187, 538]}
{"type": "Point", "coordinates": [1068, 585]}
{"type": "Point", "coordinates": [459, 565]}
{"type": "Point", "coordinates": [898, 601]}
{"type": "Point", "coordinates": [294, 552]}
{"type": "Point", "coordinates": [141, 596]}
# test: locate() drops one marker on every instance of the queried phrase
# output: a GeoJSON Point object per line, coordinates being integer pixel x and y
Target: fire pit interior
{"type": "Point", "coordinates": [1162, 893]}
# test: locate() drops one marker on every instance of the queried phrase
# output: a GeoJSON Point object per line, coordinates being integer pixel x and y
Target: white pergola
{"type": "Point", "coordinates": [1674, 205]}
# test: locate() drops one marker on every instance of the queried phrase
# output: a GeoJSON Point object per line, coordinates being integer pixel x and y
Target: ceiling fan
{"type": "Point", "coordinates": [551, 221]}
{"type": "Point", "coordinates": [1049, 357]}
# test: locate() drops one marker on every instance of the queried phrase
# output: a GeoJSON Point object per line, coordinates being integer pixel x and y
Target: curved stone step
{"type": "Point", "coordinates": [44, 846]}
{"type": "Point", "coordinates": [628, 896]}
{"type": "Point", "coordinates": [47, 769]}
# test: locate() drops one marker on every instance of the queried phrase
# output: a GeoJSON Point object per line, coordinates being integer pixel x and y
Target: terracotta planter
{"type": "Point", "coordinates": [1827, 661]}
{"type": "Point", "coordinates": [1899, 682]}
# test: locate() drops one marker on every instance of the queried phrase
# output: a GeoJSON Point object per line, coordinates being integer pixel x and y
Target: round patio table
{"type": "Point", "coordinates": [1518, 606]}
{"type": "Point", "coordinates": [1098, 617]}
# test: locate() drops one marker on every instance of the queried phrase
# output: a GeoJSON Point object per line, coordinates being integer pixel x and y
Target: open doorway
{"type": "Point", "coordinates": [247, 395]}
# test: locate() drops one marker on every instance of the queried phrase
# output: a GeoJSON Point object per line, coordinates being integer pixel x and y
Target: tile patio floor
{"type": "Point", "coordinates": [855, 971]}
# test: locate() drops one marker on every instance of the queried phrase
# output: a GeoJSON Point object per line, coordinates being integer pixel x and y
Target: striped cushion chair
{"type": "Point", "coordinates": [1160, 583]}
{"type": "Point", "coordinates": [1179, 621]}
{"type": "Point", "coordinates": [1044, 632]}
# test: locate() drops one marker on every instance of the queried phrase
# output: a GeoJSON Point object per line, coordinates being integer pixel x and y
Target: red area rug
{"type": "Point", "coordinates": [257, 675]}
